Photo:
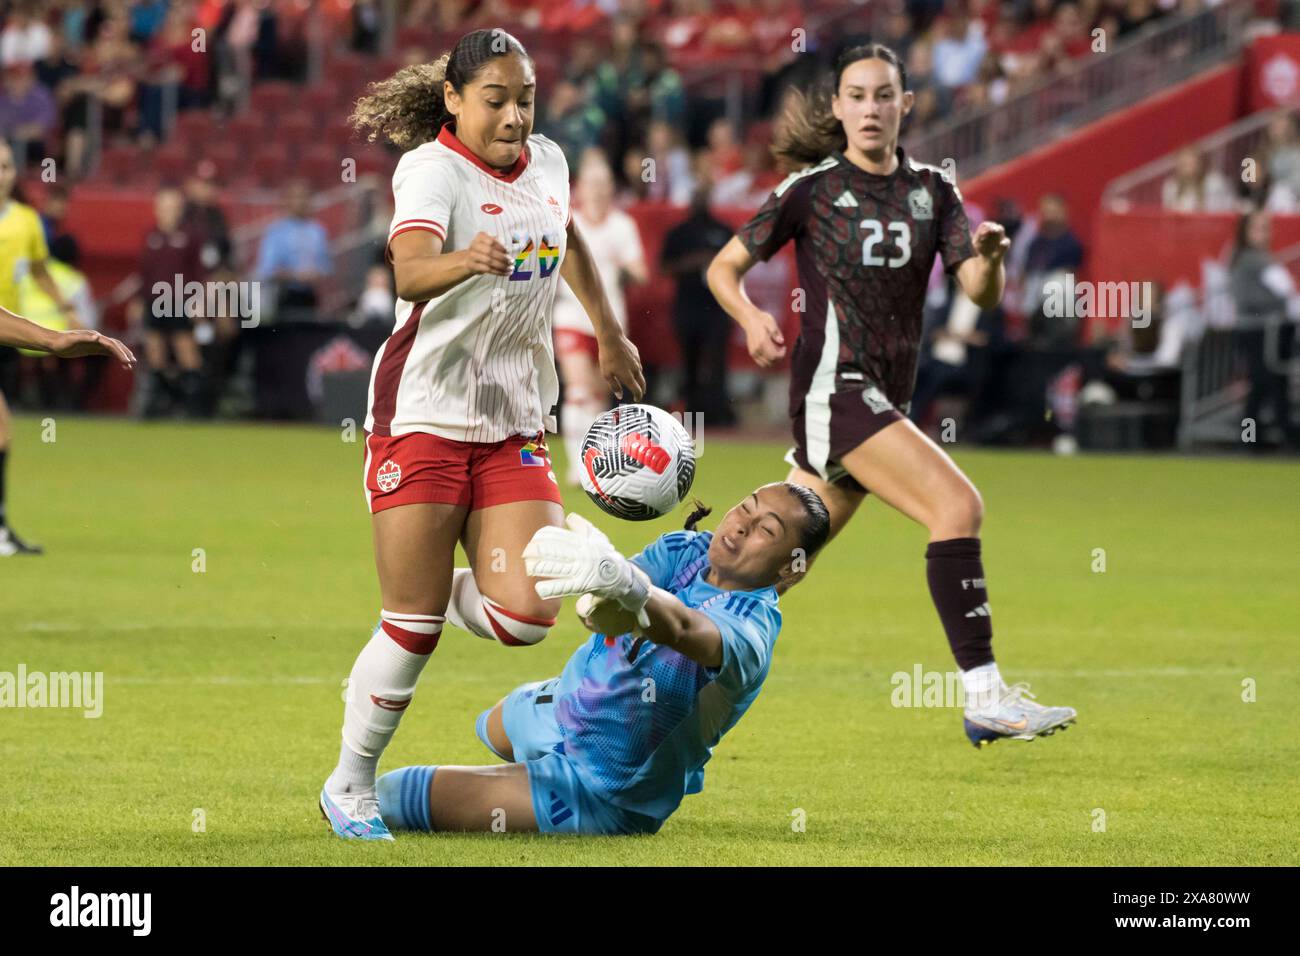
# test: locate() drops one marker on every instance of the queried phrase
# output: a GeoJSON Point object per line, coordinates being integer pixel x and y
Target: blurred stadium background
{"type": "Point", "coordinates": [213, 571]}
{"type": "Point", "coordinates": [1118, 140]}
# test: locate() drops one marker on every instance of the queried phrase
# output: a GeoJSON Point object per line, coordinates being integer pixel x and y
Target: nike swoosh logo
{"type": "Point", "coordinates": [1023, 724]}
{"type": "Point", "coordinates": [587, 459]}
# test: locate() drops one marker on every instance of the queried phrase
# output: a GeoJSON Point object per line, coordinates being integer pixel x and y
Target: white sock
{"type": "Point", "coordinates": [470, 611]}
{"type": "Point", "coordinates": [983, 686]}
{"type": "Point", "coordinates": [379, 690]}
{"type": "Point", "coordinates": [576, 417]}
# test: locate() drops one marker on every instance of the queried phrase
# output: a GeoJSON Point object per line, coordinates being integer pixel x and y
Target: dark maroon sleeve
{"type": "Point", "coordinates": [955, 245]}
{"type": "Point", "coordinates": [777, 221]}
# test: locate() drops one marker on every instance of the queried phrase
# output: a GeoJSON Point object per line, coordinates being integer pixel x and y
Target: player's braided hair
{"type": "Point", "coordinates": [408, 108]}
{"type": "Point", "coordinates": [808, 131]}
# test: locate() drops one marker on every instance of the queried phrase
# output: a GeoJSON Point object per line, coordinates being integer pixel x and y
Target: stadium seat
{"type": "Point", "coordinates": [248, 131]}
{"type": "Point", "coordinates": [297, 129]}
{"type": "Point", "coordinates": [323, 100]}
{"type": "Point", "coordinates": [171, 161]}
{"type": "Point", "coordinates": [272, 165]}
{"type": "Point", "coordinates": [193, 127]}
{"type": "Point", "coordinates": [375, 160]}
{"type": "Point", "coordinates": [386, 67]}
{"type": "Point", "coordinates": [342, 137]}
{"type": "Point", "coordinates": [420, 37]}
{"type": "Point", "coordinates": [268, 100]}
{"type": "Point", "coordinates": [321, 165]}
{"type": "Point", "coordinates": [117, 165]}
{"type": "Point", "coordinates": [349, 73]}
{"type": "Point", "coordinates": [228, 156]}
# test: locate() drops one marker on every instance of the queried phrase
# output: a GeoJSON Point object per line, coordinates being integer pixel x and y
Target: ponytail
{"type": "Point", "coordinates": [807, 130]}
{"type": "Point", "coordinates": [409, 108]}
{"type": "Point", "coordinates": [701, 512]}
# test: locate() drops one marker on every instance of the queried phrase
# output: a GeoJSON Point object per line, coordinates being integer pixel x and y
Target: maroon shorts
{"type": "Point", "coordinates": [827, 429]}
{"type": "Point", "coordinates": [421, 468]}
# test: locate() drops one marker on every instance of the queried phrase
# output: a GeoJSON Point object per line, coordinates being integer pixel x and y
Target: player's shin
{"type": "Point", "coordinates": [955, 574]}
{"type": "Point", "coordinates": [470, 611]}
{"type": "Point", "coordinates": [379, 690]}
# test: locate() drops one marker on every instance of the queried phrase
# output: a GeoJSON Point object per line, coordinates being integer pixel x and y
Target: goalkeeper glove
{"type": "Point", "coordinates": [581, 560]}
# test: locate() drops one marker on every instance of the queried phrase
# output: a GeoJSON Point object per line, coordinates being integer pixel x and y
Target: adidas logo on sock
{"type": "Point", "coordinates": [846, 199]}
{"type": "Point", "coordinates": [981, 611]}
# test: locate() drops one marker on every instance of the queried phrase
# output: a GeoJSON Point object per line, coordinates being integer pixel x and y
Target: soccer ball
{"type": "Point", "coordinates": [638, 462]}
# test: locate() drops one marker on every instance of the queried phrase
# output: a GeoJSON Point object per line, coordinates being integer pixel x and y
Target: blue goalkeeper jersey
{"type": "Point", "coordinates": [639, 721]}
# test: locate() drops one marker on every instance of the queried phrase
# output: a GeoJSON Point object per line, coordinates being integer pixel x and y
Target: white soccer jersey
{"type": "Point", "coordinates": [615, 243]}
{"type": "Point", "coordinates": [476, 363]}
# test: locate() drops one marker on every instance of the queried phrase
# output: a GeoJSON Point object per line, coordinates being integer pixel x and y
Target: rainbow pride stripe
{"type": "Point", "coordinates": [527, 456]}
{"type": "Point", "coordinates": [548, 256]}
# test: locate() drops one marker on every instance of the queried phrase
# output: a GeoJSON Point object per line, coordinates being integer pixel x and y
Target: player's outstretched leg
{"type": "Point", "coordinates": [483, 799]}
{"type": "Point", "coordinates": [909, 472]}
{"type": "Point", "coordinates": [404, 797]}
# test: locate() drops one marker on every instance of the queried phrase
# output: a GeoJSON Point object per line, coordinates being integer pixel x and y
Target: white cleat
{"type": "Point", "coordinates": [354, 816]}
{"type": "Point", "coordinates": [1017, 716]}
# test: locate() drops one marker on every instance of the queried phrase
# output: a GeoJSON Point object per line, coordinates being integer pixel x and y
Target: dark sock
{"type": "Point", "coordinates": [956, 576]}
{"type": "Point", "coordinates": [4, 453]}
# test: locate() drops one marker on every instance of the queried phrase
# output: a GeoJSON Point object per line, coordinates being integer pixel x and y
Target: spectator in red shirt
{"type": "Point", "coordinates": [1070, 26]}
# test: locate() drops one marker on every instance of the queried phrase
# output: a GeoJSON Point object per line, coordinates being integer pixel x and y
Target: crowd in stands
{"type": "Point", "coordinates": [639, 81]}
{"type": "Point", "coordinates": [625, 65]}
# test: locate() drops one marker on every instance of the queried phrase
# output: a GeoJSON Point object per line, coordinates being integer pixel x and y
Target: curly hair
{"type": "Point", "coordinates": [409, 107]}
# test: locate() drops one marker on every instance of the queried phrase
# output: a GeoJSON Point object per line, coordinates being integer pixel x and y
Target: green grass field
{"type": "Point", "coordinates": [222, 689]}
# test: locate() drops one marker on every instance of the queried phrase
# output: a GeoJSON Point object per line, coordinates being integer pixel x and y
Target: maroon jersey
{"type": "Point", "coordinates": [865, 245]}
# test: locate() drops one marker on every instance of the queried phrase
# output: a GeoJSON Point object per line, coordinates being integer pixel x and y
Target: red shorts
{"type": "Point", "coordinates": [421, 468]}
{"type": "Point", "coordinates": [569, 341]}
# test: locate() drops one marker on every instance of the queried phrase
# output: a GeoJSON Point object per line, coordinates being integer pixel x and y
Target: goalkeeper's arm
{"type": "Point", "coordinates": [670, 623]}
{"type": "Point", "coordinates": [684, 629]}
{"type": "Point", "coordinates": [578, 560]}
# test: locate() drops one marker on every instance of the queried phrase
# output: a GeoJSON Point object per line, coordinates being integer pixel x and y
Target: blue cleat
{"type": "Point", "coordinates": [354, 816]}
{"type": "Point", "coordinates": [1017, 716]}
